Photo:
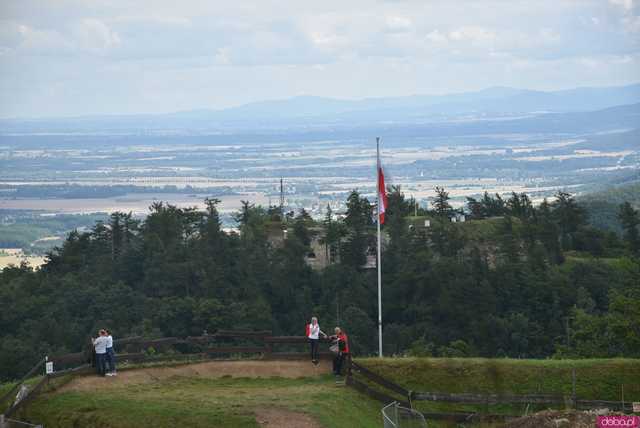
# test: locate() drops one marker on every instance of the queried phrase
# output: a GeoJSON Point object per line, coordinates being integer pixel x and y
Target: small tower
{"type": "Point", "coordinates": [281, 195]}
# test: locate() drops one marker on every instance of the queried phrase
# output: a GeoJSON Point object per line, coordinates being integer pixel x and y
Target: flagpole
{"type": "Point", "coordinates": [379, 258]}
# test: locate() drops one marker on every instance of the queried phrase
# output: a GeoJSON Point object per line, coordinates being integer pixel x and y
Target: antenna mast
{"type": "Point", "coordinates": [281, 194]}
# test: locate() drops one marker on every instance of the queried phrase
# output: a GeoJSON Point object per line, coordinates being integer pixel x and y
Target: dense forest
{"type": "Point", "coordinates": [514, 280]}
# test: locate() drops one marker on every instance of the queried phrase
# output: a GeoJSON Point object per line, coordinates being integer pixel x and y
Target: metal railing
{"type": "Point", "coordinates": [396, 416]}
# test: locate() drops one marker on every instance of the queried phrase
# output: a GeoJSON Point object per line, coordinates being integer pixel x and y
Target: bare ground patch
{"type": "Point", "coordinates": [281, 418]}
{"type": "Point", "coordinates": [207, 370]}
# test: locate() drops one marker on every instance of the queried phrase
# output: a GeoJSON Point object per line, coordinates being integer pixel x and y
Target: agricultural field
{"type": "Point", "coordinates": [15, 257]}
{"type": "Point", "coordinates": [29, 234]}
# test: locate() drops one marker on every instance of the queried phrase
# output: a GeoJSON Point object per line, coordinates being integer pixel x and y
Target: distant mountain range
{"type": "Point", "coordinates": [311, 111]}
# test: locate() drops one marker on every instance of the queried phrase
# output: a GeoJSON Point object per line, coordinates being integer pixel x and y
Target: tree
{"type": "Point", "coordinates": [519, 205]}
{"type": "Point", "coordinates": [548, 233]}
{"type": "Point", "coordinates": [359, 222]}
{"type": "Point", "coordinates": [476, 208]}
{"type": "Point", "coordinates": [630, 220]}
{"type": "Point", "coordinates": [333, 233]}
{"type": "Point", "coordinates": [490, 287]}
{"type": "Point", "coordinates": [493, 207]}
{"type": "Point", "coordinates": [361, 331]}
{"type": "Point", "coordinates": [569, 216]}
{"type": "Point", "coordinates": [441, 202]}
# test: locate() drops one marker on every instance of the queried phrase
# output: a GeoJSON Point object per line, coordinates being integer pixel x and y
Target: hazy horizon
{"type": "Point", "coordinates": [337, 98]}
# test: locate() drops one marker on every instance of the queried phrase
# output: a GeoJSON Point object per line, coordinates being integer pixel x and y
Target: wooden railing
{"type": "Point", "coordinates": [260, 343]}
{"type": "Point", "coordinates": [137, 350]}
{"type": "Point", "coordinates": [386, 391]}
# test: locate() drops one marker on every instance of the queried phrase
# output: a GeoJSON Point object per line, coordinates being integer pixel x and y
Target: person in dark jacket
{"type": "Point", "coordinates": [340, 339]}
{"type": "Point", "coordinates": [90, 353]}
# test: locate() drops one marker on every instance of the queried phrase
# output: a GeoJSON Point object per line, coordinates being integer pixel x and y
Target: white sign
{"type": "Point", "coordinates": [636, 407]}
{"type": "Point", "coordinates": [49, 367]}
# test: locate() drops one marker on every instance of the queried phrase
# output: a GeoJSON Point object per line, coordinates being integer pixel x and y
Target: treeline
{"type": "Point", "coordinates": [82, 191]}
{"type": "Point", "coordinates": [515, 280]}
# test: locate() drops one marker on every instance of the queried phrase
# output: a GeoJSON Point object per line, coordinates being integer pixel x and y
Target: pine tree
{"type": "Point", "coordinates": [569, 216]}
{"type": "Point", "coordinates": [441, 202]}
{"type": "Point", "coordinates": [630, 220]}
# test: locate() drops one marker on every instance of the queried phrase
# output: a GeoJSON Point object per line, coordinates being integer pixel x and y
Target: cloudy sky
{"type": "Point", "coordinates": [76, 57]}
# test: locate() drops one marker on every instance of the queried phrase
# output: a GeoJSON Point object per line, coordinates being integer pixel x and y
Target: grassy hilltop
{"type": "Point", "coordinates": [195, 396]}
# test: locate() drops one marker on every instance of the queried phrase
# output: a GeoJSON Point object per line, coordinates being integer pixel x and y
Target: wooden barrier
{"type": "Point", "coordinates": [77, 357]}
{"type": "Point", "coordinates": [291, 339]}
{"type": "Point", "coordinates": [387, 387]}
{"type": "Point", "coordinates": [29, 374]}
{"type": "Point", "coordinates": [373, 393]}
{"type": "Point", "coordinates": [614, 405]}
{"type": "Point", "coordinates": [242, 333]}
{"type": "Point", "coordinates": [295, 355]}
{"type": "Point", "coordinates": [127, 340]}
{"type": "Point", "coordinates": [139, 345]}
{"type": "Point", "coordinates": [451, 417]}
{"type": "Point", "coordinates": [85, 368]}
{"type": "Point", "coordinates": [467, 398]}
{"type": "Point", "coordinates": [30, 395]}
{"type": "Point", "coordinates": [357, 368]}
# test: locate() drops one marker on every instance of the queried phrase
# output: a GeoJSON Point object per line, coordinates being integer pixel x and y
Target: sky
{"type": "Point", "coordinates": [80, 57]}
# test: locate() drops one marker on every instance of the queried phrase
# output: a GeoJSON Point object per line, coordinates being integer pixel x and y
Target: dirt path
{"type": "Point", "coordinates": [281, 418]}
{"type": "Point", "coordinates": [210, 369]}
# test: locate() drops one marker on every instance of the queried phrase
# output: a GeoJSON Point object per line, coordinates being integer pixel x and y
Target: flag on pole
{"type": "Point", "coordinates": [382, 207]}
{"type": "Point", "coordinates": [382, 193]}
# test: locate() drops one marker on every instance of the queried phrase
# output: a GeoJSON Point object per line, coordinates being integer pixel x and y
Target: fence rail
{"type": "Point", "coordinates": [392, 386]}
{"type": "Point", "coordinates": [11, 423]}
{"type": "Point", "coordinates": [387, 391]}
{"type": "Point", "coordinates": [28, 375]}
{"type": "Point", "coordinates": [466, 398]}
{"type": "Point", "coordinates": [263, 346]}
{"type": "Point", "coordinates": [139, 345]}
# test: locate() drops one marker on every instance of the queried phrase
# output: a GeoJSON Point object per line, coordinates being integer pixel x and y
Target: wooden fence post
{"type": "Point", "coordinates": [3, 424]}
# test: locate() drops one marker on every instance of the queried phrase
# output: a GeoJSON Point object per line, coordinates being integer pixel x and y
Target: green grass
{"type": "Point", "coordinates": [5, 387]}
{"type": "Point", "coordinates": [595, 379]}
{"type": "Point", "coordinates": [232, 402]}
{"type": "Point", "coordinates": [485, 230]}
{"type": "Point", "coordinates": [195, 402]}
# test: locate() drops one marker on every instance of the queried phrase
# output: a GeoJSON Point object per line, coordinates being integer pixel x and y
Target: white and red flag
{"type": "Point", "coordinates": [382, 193]}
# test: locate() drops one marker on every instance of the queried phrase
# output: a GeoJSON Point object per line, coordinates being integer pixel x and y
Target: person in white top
{"type": "Point", "coordinates": [313, 334]}
{"type": "Point", "coordinates": [100, 345]}
{"type": "Point", "coordinates": [110, 357]}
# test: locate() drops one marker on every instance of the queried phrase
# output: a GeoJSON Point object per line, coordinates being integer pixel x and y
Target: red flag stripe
{"type": "Point", "coordinates": [382, 193]}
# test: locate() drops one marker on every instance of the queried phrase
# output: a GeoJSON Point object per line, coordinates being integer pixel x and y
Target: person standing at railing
{"type": "Point", "coordinates": [340, 349]}
{"type": "Point", "coordinates": [313, 334]}
{"type": "Point", "coordinates": [90, 352]}
{"type": "Point", "coordinates": [110, 355]}
{"type": "Point", "coordinates": [100, 345]}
